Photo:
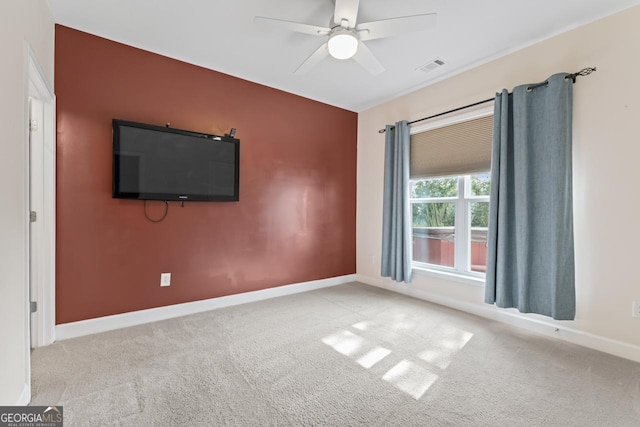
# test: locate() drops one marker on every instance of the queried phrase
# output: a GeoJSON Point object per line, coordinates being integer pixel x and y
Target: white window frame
{"type": "Point", "coordinates": [461, 271]}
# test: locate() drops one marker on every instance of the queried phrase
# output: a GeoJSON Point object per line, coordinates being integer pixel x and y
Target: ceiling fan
{"type": "Point", "coordinates": [345, 37]}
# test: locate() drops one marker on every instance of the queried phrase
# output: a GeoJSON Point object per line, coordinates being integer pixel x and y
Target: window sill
{"type": "Point", "coordinates": [455, 276]}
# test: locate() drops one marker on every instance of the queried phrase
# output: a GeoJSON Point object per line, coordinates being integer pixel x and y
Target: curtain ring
{"type": "Point", "coordinates": [544, 83]}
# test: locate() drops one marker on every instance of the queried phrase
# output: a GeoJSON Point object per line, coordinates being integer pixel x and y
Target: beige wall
{"type": "Point", "coordinates": [606, 155]}
{"type": "Point", "coordinates": [20, 21]}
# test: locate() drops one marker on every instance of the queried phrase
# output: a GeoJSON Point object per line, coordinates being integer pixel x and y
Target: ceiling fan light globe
{"type": "Point", "coordinates": [342, 45]}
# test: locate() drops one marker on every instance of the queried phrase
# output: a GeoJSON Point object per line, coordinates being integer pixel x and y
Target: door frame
{"type": "Point", "coordinates": [38, 87]}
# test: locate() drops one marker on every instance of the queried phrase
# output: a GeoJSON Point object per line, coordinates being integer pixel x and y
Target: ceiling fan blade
{"type": "Point", "coordinates": [313, 60]}
{"type": "Point", "coordinates": [297, 27]}
{"type": "Point", "coordinates": [368, 60]}
{"type": "Point", "coordinates": [346, 10]}
{"type": "Point", "coordinates": [394, 26]}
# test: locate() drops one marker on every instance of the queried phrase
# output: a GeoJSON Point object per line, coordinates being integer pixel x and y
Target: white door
{"type": "Point", "coordinates": [36, 198]}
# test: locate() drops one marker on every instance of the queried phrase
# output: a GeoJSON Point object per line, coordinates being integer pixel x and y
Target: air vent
{"type": "Point", "coordinates": [431, 65]}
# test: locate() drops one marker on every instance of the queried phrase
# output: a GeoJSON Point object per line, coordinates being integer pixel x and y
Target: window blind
{"type": "Point", "coordinates": [457, 149]}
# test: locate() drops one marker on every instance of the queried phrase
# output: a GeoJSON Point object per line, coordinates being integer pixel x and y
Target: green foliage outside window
{"type": "Point", "coordinates": [443, 214]}
{"type": "Point", "coordinates": [434, 215]}
{"type": "Point", "coordinates": [435, 187]}
{"type": "Point", "coordinates": [480, 186]}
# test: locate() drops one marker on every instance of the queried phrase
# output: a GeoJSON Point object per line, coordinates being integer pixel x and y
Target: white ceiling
{"type": "Point", "coordinates": [222, 36]}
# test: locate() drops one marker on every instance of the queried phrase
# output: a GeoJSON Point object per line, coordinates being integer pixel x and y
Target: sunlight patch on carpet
{"type": "Point", "coordinates": [362, 326]}
{"type": "Point", "coordinates": [410, 378]}
{"type": "Point", "coordinates": [372, 357]}
{"type": "Point", "coordinates": [344, 342]}
{"type": "Point", "coordinates": [436, 357]}
{"type": "Point", "coordinates": [448, 341]}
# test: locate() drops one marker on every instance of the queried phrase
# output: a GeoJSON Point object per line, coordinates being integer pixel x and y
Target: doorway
{"type": "Point", "coordinates": [40, 208]}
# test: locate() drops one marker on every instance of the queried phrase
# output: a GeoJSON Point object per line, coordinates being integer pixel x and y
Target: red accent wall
{"type": "Point", "coordinates": [295, 220]}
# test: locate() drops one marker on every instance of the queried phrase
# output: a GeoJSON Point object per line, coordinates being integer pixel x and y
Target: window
{"type": "Point", "coordinates": [449, 195]}
{"type": "Point", "coordinates": [450, 221]}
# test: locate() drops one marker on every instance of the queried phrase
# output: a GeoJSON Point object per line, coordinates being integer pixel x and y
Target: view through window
{"type": "Point", "coordinates": [450, 222]}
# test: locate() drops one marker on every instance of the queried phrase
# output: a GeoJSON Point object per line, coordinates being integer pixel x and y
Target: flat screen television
{"type": "Point", "coordinates": [161, 163]}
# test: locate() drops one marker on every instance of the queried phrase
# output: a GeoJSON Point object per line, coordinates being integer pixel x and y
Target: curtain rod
{"type": "Point", "coordinates": [574, 76]}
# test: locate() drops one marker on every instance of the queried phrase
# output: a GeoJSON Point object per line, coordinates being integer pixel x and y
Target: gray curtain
{"type": "Point", "coordinates": [530, 261]}
{"type": "Point", "coordinates": [396, 211]}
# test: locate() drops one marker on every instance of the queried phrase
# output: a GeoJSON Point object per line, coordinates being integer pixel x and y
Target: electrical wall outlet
{"type": "Point", "coordinates": [636, 309]}
{"type": "Point", "coordinates": [165, 279]}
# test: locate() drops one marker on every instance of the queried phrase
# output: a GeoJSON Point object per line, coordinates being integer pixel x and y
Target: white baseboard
{"type": "Point", "coordinates": [25, 396]}
{"type": "Point", "coordinates": [117, 321]}
{"type": "Point", "coordinates": [584, 339]}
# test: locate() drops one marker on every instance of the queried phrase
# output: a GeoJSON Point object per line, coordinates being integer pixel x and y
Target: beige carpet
{"type": "Point", "coordinates": [346, 355]}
